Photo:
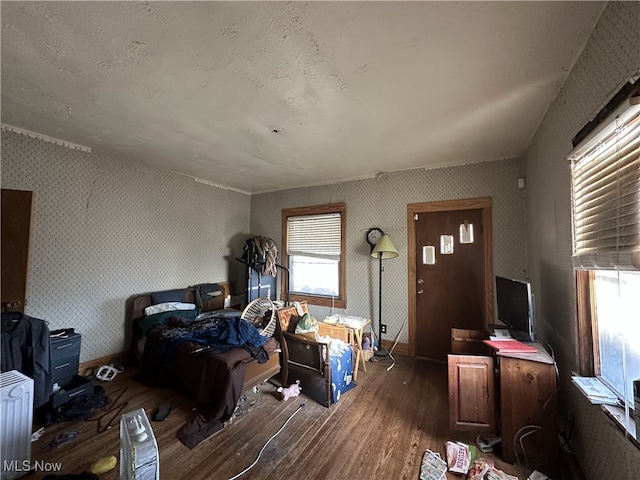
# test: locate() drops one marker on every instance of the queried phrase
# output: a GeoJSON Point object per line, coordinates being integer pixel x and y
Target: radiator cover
{"type": "Point", "coordinates": [16, 407]}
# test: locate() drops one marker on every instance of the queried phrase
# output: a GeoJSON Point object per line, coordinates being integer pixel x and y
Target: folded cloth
{"type": "Point", "coordinates": [168, 307]}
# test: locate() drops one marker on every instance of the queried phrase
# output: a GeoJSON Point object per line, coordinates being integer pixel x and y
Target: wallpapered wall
{"type": "Point", "coordinates": [104, 228]}
{"type": "Point", "coordinates": [382, 202]}
{"type": "Point", "coordinates": [610, 58]}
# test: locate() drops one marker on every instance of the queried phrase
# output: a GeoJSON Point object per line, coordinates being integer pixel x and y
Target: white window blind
{"type": "Point", "coordinates": [314, 235]}
{"type": "Point", "coordinates": [606, 193]}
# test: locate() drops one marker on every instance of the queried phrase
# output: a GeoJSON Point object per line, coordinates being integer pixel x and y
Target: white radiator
{"type": "Point", "coordinates": [16, 409]}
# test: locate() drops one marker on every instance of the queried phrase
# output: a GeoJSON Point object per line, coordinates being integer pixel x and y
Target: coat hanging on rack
{"type": "Point", "coordinates": [26, 347]}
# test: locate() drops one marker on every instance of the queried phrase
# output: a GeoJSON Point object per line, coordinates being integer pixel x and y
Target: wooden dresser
{"type": "Point", "coordinates": [512, 395]}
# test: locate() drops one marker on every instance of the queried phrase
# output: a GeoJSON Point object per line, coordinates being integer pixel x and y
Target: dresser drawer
{"type": "Point", "coordinates": [78, 387]}
{"type": "Point", "coordinates": [66, 367]}
{"type": "Point", "coordinates": [64, 382]}
{"type": "Point", "coordinates": [62, 348]}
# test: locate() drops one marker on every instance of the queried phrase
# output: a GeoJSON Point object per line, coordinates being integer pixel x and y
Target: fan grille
{"type": "Point", "coordinates": [256, 313]}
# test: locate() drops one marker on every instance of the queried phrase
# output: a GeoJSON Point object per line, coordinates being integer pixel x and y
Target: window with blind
{"type": "Point", "coordinates": [605, 174]}
{"type": "Point", "coordinates": [314, 246]}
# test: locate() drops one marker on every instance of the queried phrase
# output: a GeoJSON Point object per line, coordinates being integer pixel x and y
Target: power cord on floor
{"type": "Point", "coordinates": [389, 353]}
{"type": "Point", "coordinates": [267, 443]}
{"type": "Point", "coordinates": [532, 429]}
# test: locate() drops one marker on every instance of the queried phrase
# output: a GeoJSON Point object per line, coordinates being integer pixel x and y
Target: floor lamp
{"type": "Point", "coordinates": [384, 249]}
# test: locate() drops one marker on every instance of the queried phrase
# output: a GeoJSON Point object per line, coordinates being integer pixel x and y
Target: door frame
{"type": "Point", "coordinates": [482, 203]}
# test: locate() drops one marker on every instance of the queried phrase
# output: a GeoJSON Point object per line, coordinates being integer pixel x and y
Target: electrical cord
{"type": "Point", "coordinates": [524, 452]}
{"type": "Point", "coordinates": [533, 428]}
{"type": "Point", "coordinates": [267, 443]}
{"type": "Point", "coordinates": [396, 343]}
{"type": "Point", "coordinates": [555, 366]}
{"type": "Point", "coordinates": [389, 353]}
{"type": "Point", "coordinates": [381, 359]}
{"type": "Point", "coordinates": [566, 439]}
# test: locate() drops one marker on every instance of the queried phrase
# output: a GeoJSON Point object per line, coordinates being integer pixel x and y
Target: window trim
{"type": "Point", "coordinates": [586, 324]}
{"type": "Point", "coordinates": [585, 266]}
{"type": "Point", "coordinates": [336, 302]}
{"type": "Point", "coordinates": [598, 258]}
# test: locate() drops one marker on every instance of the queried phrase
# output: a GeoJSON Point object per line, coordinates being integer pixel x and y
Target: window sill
{"type": "Point", "coordinates": [316, 300]}
{"type": "Point", "coordinates": [617, 414]}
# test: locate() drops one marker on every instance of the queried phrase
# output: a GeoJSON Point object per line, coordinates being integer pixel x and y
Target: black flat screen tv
{"type": "Point", "coordinates": [516, 308]}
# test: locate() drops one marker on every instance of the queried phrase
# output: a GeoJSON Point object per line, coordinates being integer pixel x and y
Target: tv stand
{"type": "Point", "coordinates": [513, 395]}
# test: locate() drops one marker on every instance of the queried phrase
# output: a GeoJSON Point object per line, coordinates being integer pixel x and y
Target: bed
{"type": "Point", "coordinates": [214, 376]}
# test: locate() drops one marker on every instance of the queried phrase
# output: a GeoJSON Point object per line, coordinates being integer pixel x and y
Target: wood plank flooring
{"type": "Point", "coordinates": [378, 430]}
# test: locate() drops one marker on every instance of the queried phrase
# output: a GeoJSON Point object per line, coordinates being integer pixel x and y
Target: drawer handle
{"type": "Point", "coordinates": [58, 347]}
{"type": "Point", "coordinates": [62, 366]}
{"type": "Point", "coordinates": [76, 393]}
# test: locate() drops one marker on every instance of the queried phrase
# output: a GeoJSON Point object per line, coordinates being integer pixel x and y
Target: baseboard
{"type": "Point", "coordinates": [401, 348]}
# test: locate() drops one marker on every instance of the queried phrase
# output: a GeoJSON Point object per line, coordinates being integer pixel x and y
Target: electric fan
{"type": "Point", "coordinates": [261, 312]}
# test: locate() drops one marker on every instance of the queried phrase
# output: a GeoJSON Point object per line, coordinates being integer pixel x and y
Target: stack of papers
{"type": "Point", "coordinates": [596, 391]}
{"type": "Point", "coordinates": [500, 334]}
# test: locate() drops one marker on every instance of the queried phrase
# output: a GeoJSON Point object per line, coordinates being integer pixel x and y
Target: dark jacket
{"type": "Point", "coordinates": [26, 347]}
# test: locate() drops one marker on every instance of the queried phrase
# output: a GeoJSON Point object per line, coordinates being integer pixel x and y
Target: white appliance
{"type": "Point", "coordinates": [139, 457]}
{"type": "Point", "coordinates": [16, 409]}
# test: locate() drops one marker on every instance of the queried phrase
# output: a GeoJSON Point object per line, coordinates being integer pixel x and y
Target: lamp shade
{"type": "Point", "coordinates": [384, 248]}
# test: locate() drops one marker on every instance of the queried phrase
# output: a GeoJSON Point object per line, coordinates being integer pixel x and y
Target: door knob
{"type": "Point", "coordinates": [420, 280]}
{"type": "Point", "coordinates": [420, 292]}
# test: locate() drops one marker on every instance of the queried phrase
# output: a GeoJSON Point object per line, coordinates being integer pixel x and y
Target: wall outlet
{"type": "Point", "coordinates": [383, 328]}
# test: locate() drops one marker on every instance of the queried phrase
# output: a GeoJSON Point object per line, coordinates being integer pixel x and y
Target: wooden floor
{"type": "Point", "coordinates": [378, 430]}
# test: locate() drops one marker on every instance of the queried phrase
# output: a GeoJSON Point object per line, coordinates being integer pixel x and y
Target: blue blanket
{"type": "Point", "coordinates": [226, 334]}
{"type": "Point", "coordinates": [219, 336]}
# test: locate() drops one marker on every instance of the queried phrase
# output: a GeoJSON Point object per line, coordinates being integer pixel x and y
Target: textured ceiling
{"type": "Point", "coordinates": [261, 96]}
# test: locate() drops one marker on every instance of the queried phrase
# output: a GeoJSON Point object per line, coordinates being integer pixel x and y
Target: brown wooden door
{"type": "Point", "coordinates": [471, 393]}
{"type": "Point", "coordinates": [16, 226]}
{"type": "Point", "coordinates": [451, 292]}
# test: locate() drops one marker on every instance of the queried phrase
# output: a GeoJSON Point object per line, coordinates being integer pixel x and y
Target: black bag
{"type": "Point", "coordinates": [79, 408]}
{"type": "Point", "coordinates": [253, 256]}
{"type": "Point", "coordinates": [207, 296]}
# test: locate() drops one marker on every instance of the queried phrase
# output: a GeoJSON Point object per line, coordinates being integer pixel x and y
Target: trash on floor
{"type": "Point", "coordinates": [486, 443]}
{"type": "Point", "coordinates": [433, 467]}
{"type": "Point", "coordinates": [459, 456]}
{"type": "Point", "coordinates": [536, 475]}
{"type": "Point", "coordinates": [60, 440]}
{"type": "Point", "coordinates": [104, 465]}
{"type": "Point", "coordinates": [484, 469]}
